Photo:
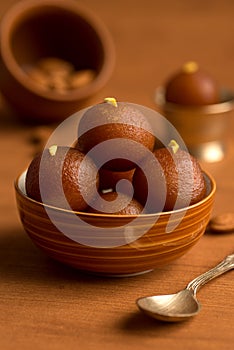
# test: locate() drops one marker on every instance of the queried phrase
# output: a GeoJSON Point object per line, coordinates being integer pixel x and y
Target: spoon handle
{"type": "Point", "coordinates": [224, 266]}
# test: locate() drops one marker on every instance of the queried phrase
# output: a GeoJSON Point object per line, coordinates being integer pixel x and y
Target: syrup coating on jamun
{"type": "Point", "coordinates": [178, 173]}
{"type": "Point", "coordinates": [192, 86]}
{"type": "Point", "coordinates": [108, 179]}
{"type": "Point", "coordinates": [124, 125]}
{"type": "Point", "coordinates": [106, 203]}
{"type": "Point", "coordinates": [58, 167]}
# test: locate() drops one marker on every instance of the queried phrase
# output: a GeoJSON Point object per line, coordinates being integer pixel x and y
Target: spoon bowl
{"type": "Point", "coordinates": [184, 304]}
{"type": "Point", "coordinates": [171, 307]}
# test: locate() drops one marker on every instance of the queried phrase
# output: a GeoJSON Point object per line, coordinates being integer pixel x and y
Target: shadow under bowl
{"type": "Point", "coordinates": [32, 30]}
{"type": "Point", "coordinates": [114, 245]}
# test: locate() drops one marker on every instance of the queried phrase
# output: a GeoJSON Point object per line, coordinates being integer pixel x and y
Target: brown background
{"type": "Point", "coordinates": [44, 305]}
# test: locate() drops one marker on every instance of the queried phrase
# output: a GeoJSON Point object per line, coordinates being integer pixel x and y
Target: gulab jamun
{"type": "Point", "coordinates": [59, 176]}
{"type": "Point", "coordinates": [109, 179]}
{"type": "Point", "coordinates": [192, 86]}
{"type": "Point", "coordinates": [115, 204]}
{"type": "Point", "coordinates": [178, 173]}
{"type": "Point", "coordinates": [125, 127]}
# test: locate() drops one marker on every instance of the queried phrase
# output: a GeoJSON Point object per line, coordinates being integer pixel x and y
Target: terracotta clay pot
{"type": "Point", "coordinates": [35, 29]}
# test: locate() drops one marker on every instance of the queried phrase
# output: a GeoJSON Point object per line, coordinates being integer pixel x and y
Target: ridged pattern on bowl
{"type": "Point", "coordinates": [155, 248]}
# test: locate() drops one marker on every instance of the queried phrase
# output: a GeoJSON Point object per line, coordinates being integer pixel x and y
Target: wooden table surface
{"type": "Point", "coordinates": [45, 305]}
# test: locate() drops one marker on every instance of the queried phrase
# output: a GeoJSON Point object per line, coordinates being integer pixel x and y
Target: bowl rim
{"type": "Point", "coordinates": [23, 9]}
{"type": "Point", "coordinates": [112, 216]}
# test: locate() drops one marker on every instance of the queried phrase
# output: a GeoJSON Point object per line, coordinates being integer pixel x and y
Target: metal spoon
{"type": "Point", "coordinates": [184, 304]}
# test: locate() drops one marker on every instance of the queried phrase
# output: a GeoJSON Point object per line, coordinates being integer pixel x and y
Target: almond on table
{"type": "Point", "coordinates": [222, 223]}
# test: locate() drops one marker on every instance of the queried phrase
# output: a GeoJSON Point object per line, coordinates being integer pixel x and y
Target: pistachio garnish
{"type": "Point", "coordinates": [174, 146]}
{"type": "Point", "coordinates": [53, 150]}
{"type": "Point", "coordinates": [190, 67]}
{"type": "Point", "coordinates": [111, 100]}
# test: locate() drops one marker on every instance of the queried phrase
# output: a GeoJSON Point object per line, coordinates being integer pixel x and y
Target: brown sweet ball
{"type": "Point", "coordinates": [108, 179]}
{"type": "Point", "coordinates": [126, 129]}
{"type": "Point", "coordinates": [192, 86]}
{"type": "Point", "coordinates": [176, 182]}
{"type": "Point", "coordinates": [61, 174]}
{"type": "Point", "coordinates": [114, 203]}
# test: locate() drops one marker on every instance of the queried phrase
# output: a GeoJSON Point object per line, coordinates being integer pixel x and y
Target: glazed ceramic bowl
{"type": "Point", "coordinates": [203, 128]}
{"type": "Point", "coordinates": [114, 245]}
{"type": "Point", "coordinates": [33, 30]}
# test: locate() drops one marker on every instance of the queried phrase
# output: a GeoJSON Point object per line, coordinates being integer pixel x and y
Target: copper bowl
{"type": "Point", "coordinates": [203, 128]}
{"type": "Point", "coordinates": [32, 30]}
{"type": "Point", "coordinates": [112, 244]}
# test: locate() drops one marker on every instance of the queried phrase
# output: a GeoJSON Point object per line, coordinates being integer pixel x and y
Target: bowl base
{"type": "Point", "coordinates": [121, 275]}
